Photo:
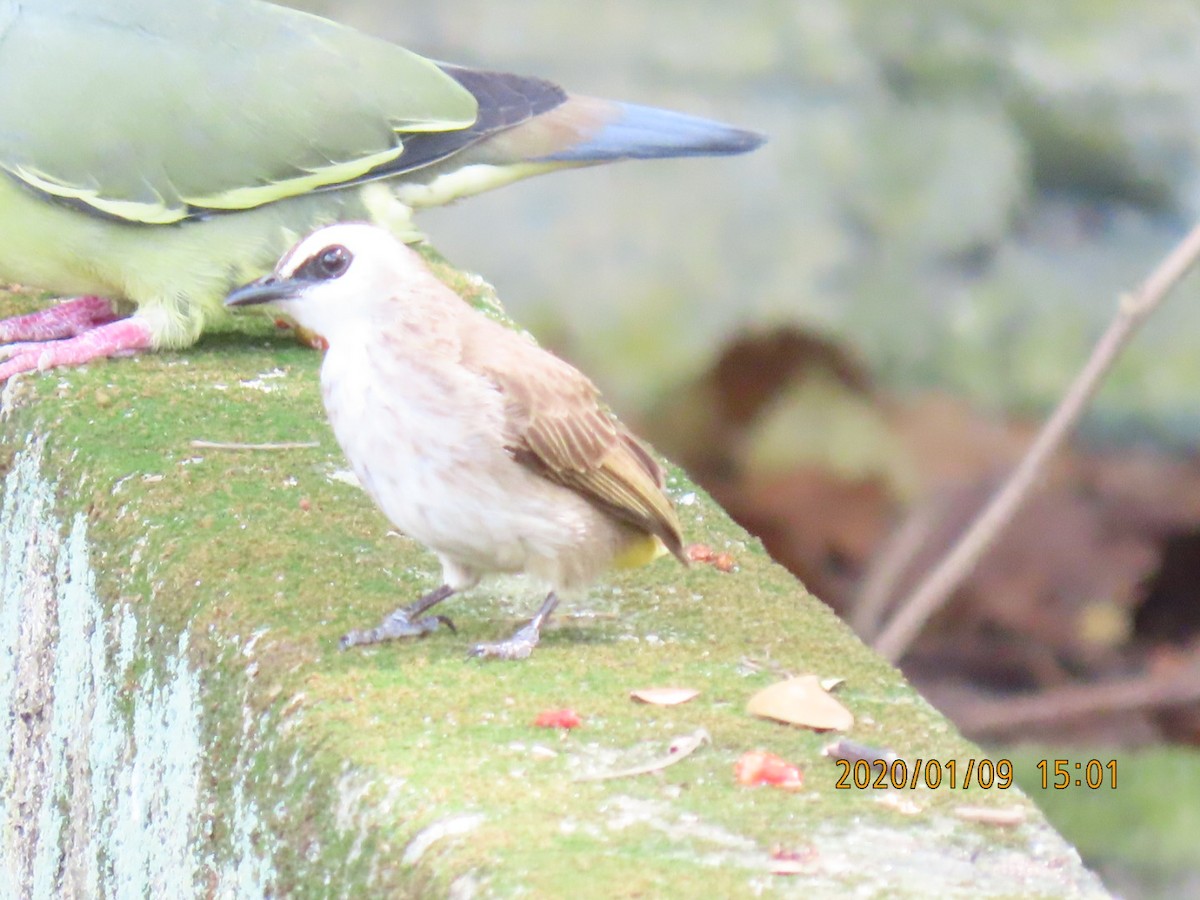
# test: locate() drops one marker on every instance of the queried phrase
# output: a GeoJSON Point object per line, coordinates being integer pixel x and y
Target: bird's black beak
{"type": "Point", "coordinates": [265, 290]}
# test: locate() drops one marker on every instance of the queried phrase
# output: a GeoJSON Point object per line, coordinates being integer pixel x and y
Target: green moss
{"type": "Point", "coordinates": [267, 560]}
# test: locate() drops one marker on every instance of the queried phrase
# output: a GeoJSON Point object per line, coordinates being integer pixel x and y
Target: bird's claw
{"type": "Point", "coordinates": [110, 339]}
{"type": "Point", "coordinates": [519, 646]}
{"type": "Point", "coordinates": [397, 625]}
{"type": "Point", "coordinates": [9, 350]}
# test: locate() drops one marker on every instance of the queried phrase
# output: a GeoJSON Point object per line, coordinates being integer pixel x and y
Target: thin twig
{"type": "Point", "coordinates": [890, 565]}
{"type": "Point", "coordinates": [936, 587]}
{"type": "Point", "coordinates": [222, 445]}
{"type": "Point", "coordinates": [1081, 700]}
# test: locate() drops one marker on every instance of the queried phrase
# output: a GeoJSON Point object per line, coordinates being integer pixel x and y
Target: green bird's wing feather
{"type": "Point", "coordinates": [557, 426]}
{"type": "Point", "coordinates": [155, 112]}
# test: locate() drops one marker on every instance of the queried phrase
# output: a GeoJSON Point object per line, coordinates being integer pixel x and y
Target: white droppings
{"type": "Point", "coordinates": [344, 476]}
{"type": "Point", "coordinates": [258, 384]}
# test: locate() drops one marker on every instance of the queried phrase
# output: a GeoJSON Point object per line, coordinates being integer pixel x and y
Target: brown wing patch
{"type": "Point", "coordinates": [558, 427]}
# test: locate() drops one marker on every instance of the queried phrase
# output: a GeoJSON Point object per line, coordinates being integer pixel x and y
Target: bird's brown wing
{"type": "Point", "coordinates": [557, 427]}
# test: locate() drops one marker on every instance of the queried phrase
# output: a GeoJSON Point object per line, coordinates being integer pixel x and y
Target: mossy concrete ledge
{"type": "Point", "coordinates": [177, 719]}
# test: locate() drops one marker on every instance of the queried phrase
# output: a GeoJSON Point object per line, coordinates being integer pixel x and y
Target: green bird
{"type": "Point", "coordinates": [154, 155]}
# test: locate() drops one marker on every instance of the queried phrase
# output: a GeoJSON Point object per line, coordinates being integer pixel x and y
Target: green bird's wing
{"type": "Point", "coordinates": [557, 427]}
{"type": "Point", "coordinates": [154, 112]}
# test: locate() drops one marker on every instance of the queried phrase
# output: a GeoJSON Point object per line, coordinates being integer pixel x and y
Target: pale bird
{"type": "Point", "coordinates": [153, 155]}
{"type": "Point", "coordinates": [474, 441]}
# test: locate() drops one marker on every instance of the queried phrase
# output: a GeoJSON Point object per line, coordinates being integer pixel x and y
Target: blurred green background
{"type": "Point", "coordinates": [959, 189]}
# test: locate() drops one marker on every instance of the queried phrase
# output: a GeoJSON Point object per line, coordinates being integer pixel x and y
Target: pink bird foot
{"type": "Point", "coordinates": [65, 319]}
{"type": "Point", "coordinates": [112, 339]}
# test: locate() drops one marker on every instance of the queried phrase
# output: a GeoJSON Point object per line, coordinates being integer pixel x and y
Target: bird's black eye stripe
{"type": "Point", "coordinates": [325, 265]}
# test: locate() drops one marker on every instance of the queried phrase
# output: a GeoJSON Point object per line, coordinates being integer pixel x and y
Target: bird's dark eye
{"type": "Point", "coordinates": [333, 261]}
{"type": "Point", "coordinates": [328, 264]}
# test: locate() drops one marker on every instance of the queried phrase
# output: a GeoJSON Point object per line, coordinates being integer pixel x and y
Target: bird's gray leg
{"type": "Point", "coordinates": [407, 621]}
{"type": "Point", "coordinates": [521, 644]}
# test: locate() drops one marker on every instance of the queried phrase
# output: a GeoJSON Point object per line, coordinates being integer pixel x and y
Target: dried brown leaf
{"type": "Point", "coordinates": [665, 696]}
{"type": "Point", "coordinates": [801, 701]}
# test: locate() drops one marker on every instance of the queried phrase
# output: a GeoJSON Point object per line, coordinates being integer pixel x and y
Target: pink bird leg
{"type": "Point", "coordinates": [112, 339]}
{"type": "Point", "coordinates": [65, 319]}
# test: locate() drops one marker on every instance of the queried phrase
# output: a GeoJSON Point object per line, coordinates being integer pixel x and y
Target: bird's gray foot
{"type": "Point", "coordinates": [405, 622]}
{"type": "Point", "coordinates": [396, 625]}
{"type": "Point", "coordinates": [521, 644]}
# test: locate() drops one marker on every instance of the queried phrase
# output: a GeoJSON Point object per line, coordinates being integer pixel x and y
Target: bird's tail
{"type": "Point", "coordinates": [631, 131]}
{"type": "Point", "coordinates": [524, 121]}
{"type": "Point", "coordinates": [527, 126]}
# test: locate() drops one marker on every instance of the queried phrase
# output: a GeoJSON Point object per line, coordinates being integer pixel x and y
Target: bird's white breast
{"type": "Point", "coordinates": [425, 440]}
